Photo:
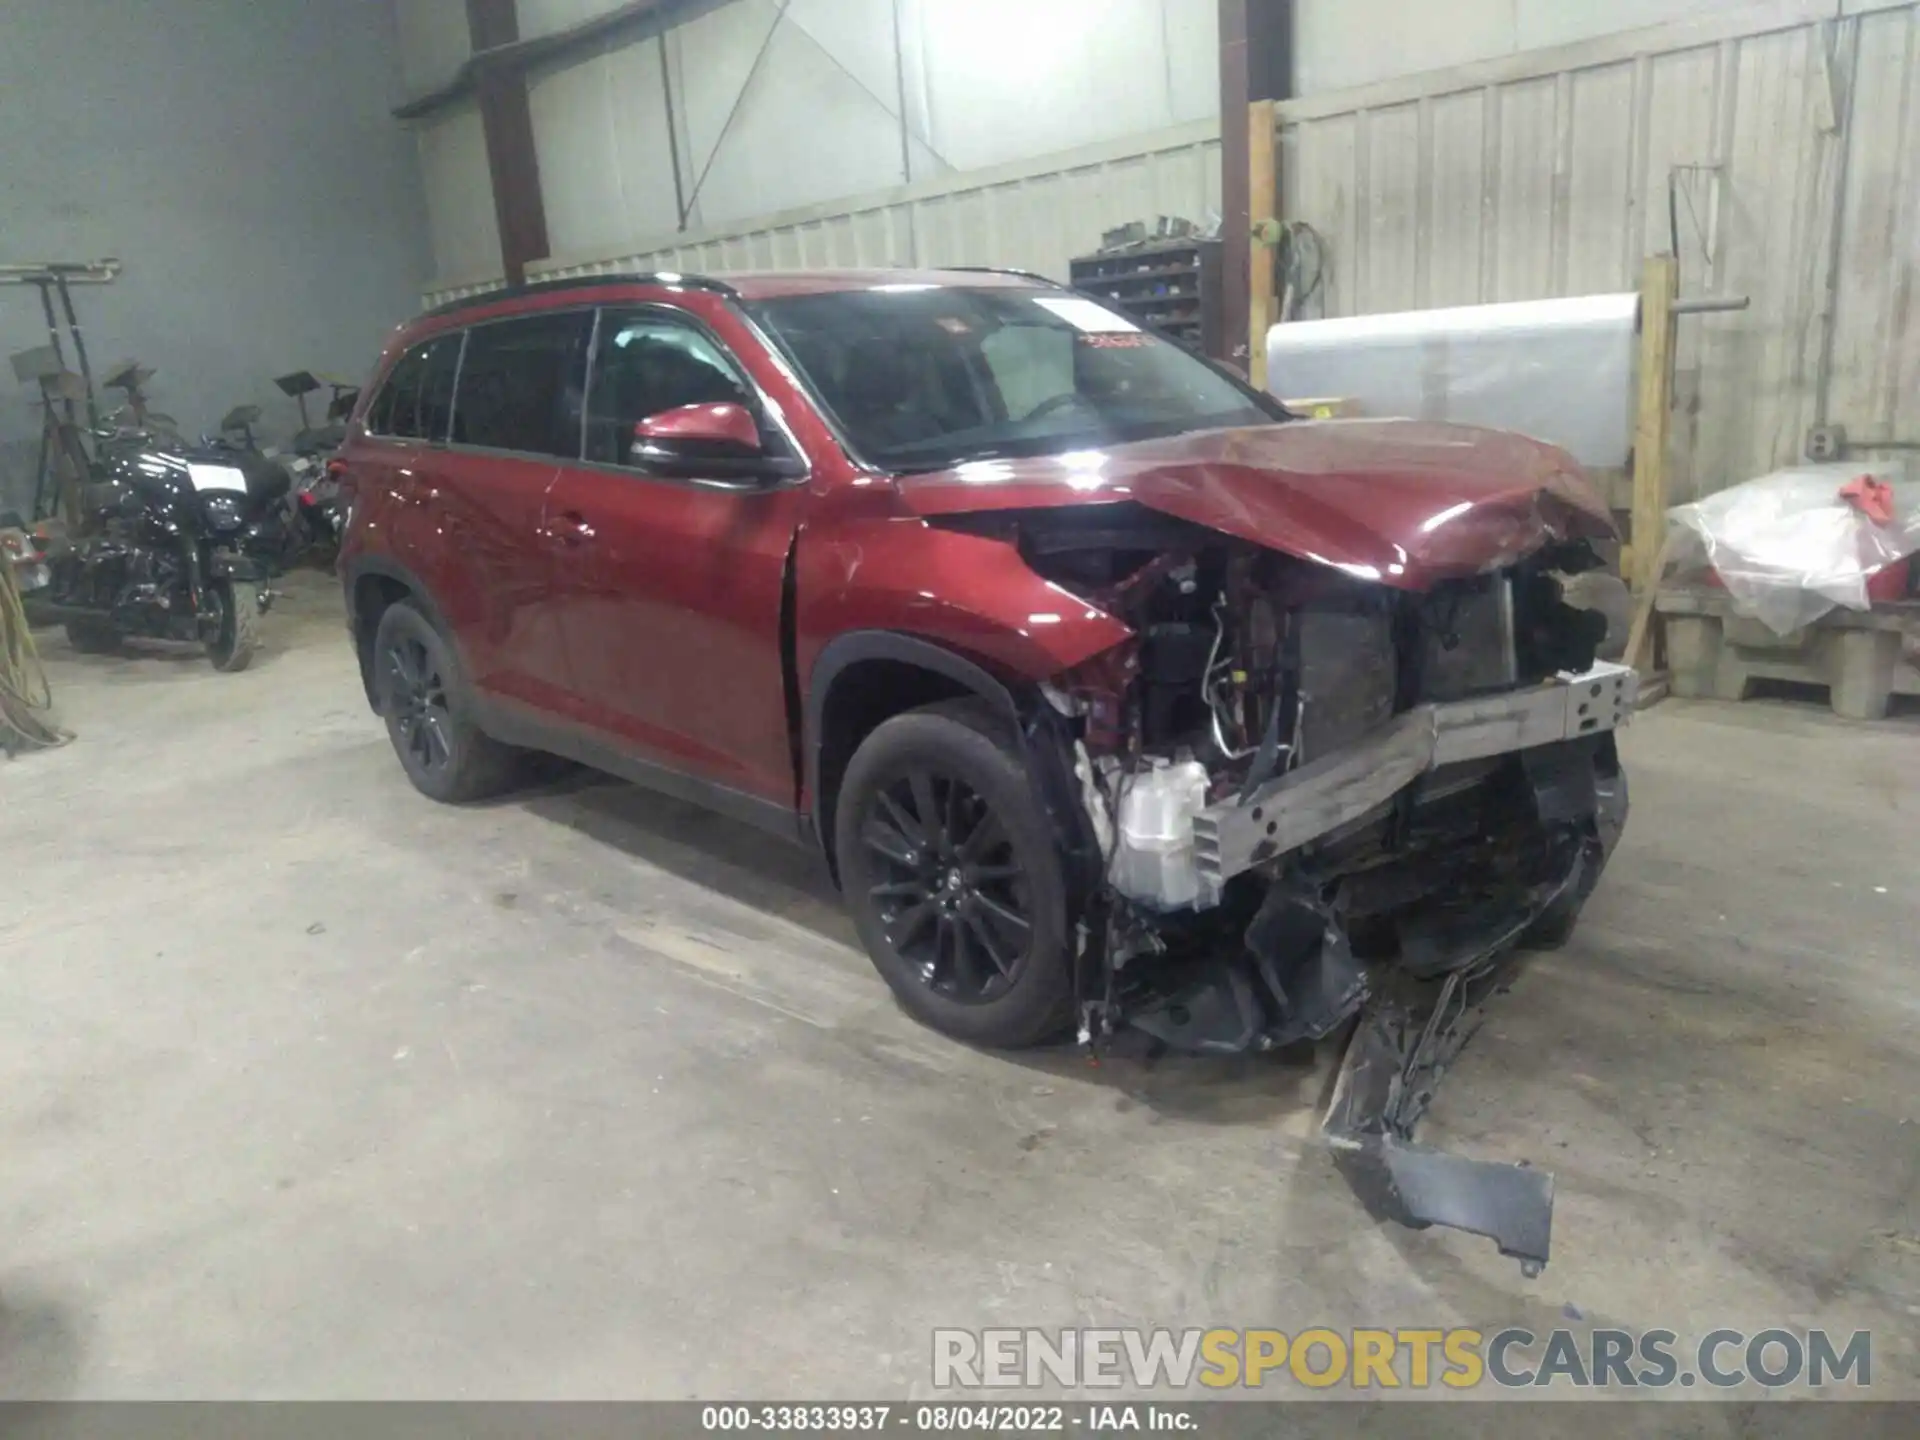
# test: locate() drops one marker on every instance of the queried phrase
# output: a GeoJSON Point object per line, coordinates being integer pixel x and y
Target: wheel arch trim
{"type": "Point", "coordinates": [859, 646]}
{"type": "Point", "coordinates": [388, 569]}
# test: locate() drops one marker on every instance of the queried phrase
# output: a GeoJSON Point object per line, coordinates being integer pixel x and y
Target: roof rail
{"type": "Point", "coordinates": [580, 282]}
{"type": "Point", "coordinates": [1046, 280]}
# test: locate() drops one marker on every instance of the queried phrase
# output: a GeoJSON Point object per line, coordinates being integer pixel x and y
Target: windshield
{"type": "Point", "coordinates": [923, 377]}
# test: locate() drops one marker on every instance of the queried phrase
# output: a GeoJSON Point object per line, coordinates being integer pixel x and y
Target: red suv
{"type": "Point", "coordinates": [1113, 695]}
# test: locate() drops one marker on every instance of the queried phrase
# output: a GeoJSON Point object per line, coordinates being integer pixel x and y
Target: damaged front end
{"type": "Point", "coordinates": [1313, 800]}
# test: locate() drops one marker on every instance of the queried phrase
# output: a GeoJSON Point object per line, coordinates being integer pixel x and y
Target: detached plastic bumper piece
{"type": "Point", "coordinates": [1414, 1185]}
{"type": "Point", "coordinates": [1410, 1032]}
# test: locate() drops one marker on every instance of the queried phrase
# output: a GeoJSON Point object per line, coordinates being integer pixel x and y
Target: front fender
{"type": "Point", "coordinates": [1037, 727]}
{"type": "Point", "coordinates": [972, 594]}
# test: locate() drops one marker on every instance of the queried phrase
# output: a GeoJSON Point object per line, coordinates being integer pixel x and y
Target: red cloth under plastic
{"type": "Point", "coordinates": [1872, 498]}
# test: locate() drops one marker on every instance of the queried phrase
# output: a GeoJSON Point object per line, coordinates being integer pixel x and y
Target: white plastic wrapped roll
{"type": "Point", "coordinates": [1557, 370]}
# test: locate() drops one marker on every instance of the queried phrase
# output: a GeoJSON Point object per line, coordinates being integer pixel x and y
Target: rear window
{"type": "Point", "coordinates": [399, 396]}
{"type": "Point", "coordinates": [416, 399]}
{"type": "Point", "coordinates": [522, 382]}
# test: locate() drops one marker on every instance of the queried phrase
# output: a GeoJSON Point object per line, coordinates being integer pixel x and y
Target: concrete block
{"type": "Point", "coordinates": [1693, 655]}
{"type": "Point", "coordinates": [1863, 665]}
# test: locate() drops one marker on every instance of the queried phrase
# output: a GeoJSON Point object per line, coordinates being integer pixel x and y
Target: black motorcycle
{"type": "Point", "coordinates": [314, 515]}
{"type": "Point", "coordinates": [318, 517]}
{"type": "Point", "coordinates": [175, 542]}
{"type": "Point", "coordinates": [317, 502]}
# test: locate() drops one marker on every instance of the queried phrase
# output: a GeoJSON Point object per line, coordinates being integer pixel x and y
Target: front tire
{"type": "Point", "coordinates": [953, 877]}
{"type": "Point", "coordinates": [420, 693]}
{"type": "Point", "coordinates": [237, 636]}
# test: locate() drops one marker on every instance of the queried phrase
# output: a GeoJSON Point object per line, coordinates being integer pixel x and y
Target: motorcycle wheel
{"type": "Point", "coordinates": [233, 643]}
{"type": "Point", "coordinates": [93, 637]}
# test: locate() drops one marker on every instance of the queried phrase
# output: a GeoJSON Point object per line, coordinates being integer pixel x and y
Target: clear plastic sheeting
{"type": "Point", "coordinates": [1557, 370]}
{"type": "Point", "coordinates": [1788, 548]}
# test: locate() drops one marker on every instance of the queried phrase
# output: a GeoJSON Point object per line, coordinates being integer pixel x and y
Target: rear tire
{"type": "Point", "coordinates": [421, 694]}
{"type": "Point", "coordinates": [233, 645]}
{"type": "Point", "coordinates": [953, 877]}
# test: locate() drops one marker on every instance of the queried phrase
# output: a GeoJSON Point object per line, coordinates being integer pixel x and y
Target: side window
{"type": "Point", "coordinates": [436, 387]}
{"type": "Point", "coordinates": [521, 382]}
{"type": "Point", "coordinates": [397, 406]}
{"type": "Point", "coordinates": [647, 362]}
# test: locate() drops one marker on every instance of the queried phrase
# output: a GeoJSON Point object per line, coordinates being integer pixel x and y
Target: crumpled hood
{"type": "Point", "coordinates": [1405, 502]}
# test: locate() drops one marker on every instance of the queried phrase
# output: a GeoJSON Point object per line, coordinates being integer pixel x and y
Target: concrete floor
{"type": "Point", "coordinates": [309, 1087]}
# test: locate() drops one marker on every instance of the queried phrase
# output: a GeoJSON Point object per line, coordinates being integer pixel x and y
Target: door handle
{"type": "Point", "coordinates": [570, 528]}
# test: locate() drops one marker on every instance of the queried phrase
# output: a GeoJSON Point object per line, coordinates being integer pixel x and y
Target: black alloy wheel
{"type": "Point", "coordinates": [417, 704]}
{"type": "Point", "coordinates": [419, 690]}
{"type": "Point", "coordinates": [954, 878]}
{"type": "Point", "coordinates": [948, 888]}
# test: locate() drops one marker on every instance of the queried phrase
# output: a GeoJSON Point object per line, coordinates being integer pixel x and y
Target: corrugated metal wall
{"type": "Point", "coordinates": [1529, 176]}
{"type": "Point", "coordinates": [459, 195]}
{"type": "Point", "coordinates": [1034, 216]}
{"type": "Point", "coordinates": [1338, 44]}
{"type": "Point", "coordinates": [755, 108]}
{"type": "Point", "coordinates": [1549, 174]}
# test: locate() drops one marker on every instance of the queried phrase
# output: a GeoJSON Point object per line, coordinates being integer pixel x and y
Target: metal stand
{"type": "Point", "coordinates": [52, 277]}
{"type": "Point", "coordinates": [241, 420]}
{"type": "Point", "coordinates": [131, 377]}
{"type": "Point", "coordinates": [60, 439]}
{"type": "Point", "coordinates": [302, 383]}
{"type": "Point", "coordinates": [63, 461]}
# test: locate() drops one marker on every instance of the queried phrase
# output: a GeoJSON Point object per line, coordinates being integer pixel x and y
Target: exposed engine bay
{"type": "Point", "coordinates": [1316, 798]}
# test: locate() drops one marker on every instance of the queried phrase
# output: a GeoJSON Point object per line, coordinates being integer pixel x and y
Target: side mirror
{"type": "Point", "coordinates": [723, 427]}
{"type": "Point", "coordinates": [721, 441]}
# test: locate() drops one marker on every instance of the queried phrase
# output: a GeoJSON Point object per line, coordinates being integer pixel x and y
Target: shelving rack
{"type": "Point", "coordinates": [1170, 287]}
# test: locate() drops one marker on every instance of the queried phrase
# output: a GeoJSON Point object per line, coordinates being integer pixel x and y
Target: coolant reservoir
{"type": "Point", "coordinates": [1153, 852]}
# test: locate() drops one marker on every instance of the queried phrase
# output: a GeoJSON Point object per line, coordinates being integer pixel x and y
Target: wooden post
{"type": "Point", "coordinates": [1256, 63]}
{"type": "Point", "coordinates": [1659, 282]}
{"type": "Point", "coordinates": [1263, 185]}
{"type": "Point", "coordinates": [1639, 653]}
{"type": "Point", "coordinates": [506, 125]}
